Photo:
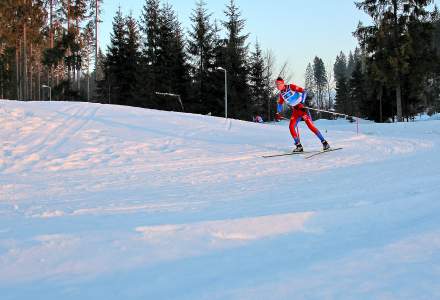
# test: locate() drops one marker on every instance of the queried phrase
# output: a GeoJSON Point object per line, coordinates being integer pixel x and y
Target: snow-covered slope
{"type": "Point", "coordinates": [109, 202]}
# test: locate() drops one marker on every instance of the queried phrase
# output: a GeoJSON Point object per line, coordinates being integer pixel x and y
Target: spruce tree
{"type": "Point", "coordinates": [357, 90]}
{"type": "Point", "coordinates": [236, 63]}
{"type": "Point", "coordinates": [309, 81]}
{"type": "Point", "coordinates": [102, 76]}
{"type": "Point", "coordinates": [342, 95]}
{"type": "Point", "coordinates": [389, 37]}
{"type": "Point", "coordinates": [269, 71]}
{"type": "Point", "coordinates": [171, 57]}
{"type": "Point", "coordinates": [216, 78]}
{"type": "Point", "coordinates": [116, 59]}
{"type": "Point", "coordinates": [201, 50]}
{"type": "Point", "coordinates": [351, 63]}
{"type": "Point", "coordinates": [22, 37]}
{"type": "Point", "coordinates": [340, 67]}
{"type": "Point", "coordinates": [86, 53]}
{"type": "Point", "coordinates": [259, 92]}
{"type": "Point", "coordinates": [434, 84]}
{"type": "Point", "coordinates": [341, 72]}
{"type": "Point", "coordinates": [423, 60]}
{"type": "Point", "coordinates": [132, 63]}
{"type": "Point", "coordinates": [149, 70]}
{"type": "Point", "coordinates": [320, 78]}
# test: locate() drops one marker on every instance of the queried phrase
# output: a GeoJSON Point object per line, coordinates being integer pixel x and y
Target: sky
{"type": "Point", "coordinates": [295, 31]}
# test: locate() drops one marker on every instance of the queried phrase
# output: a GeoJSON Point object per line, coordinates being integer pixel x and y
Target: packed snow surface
{"type": "Point", "coordinates": [110, 202]}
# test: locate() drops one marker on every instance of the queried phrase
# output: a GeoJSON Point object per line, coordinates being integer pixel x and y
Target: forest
{"type": "Point", "coordinates": [50, 50]}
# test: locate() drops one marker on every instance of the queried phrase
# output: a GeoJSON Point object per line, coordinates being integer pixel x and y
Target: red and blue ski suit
{"type": "Point", "coordinates": [295, 97]}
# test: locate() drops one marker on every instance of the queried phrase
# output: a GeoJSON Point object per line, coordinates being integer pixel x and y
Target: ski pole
{"type": "Point", "coordinates": [338, 114]}
{"type": "Point", "coordinates": [330, 112]}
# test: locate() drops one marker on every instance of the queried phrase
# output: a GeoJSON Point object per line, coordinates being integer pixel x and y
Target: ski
{"type": "Point", "coordinates": [289, 153]}
{"type": "Point", "coordinates": [322, 152]}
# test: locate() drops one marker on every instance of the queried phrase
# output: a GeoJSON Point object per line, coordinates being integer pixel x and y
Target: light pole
{"type": "Point", "coordinates": [226, 90]}
{"type": "Point", "coordinates": [50, 91]}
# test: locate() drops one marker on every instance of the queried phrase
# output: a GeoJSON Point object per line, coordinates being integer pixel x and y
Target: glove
{"type": "Point", "coordinates": [300, 107]}
{"type": "Point", "coordinates": [278, 117]}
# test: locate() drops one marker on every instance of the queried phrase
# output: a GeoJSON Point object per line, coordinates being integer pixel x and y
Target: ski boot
{"type": "Point", "coordinates": [325, 145]}
{"type": "Point", "coordinates": [299, 148]}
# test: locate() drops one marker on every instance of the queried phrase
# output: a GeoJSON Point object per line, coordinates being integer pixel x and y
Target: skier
{"type": "Point", "coordinates": [258, 119]}
{"type": "Point", "coordinates": [295, 97]}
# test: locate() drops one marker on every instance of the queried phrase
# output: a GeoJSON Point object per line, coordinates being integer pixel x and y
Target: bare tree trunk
{"type": "Point", "coordinates": [78, 72]}
{"type": "Point", "coordinates": [88, 86]}
{"type": "Point", "coordinates": [399, 102]}
{"type": "Point", "coordinates": [17, 69]}
{"type": "Point", "coordinates": [69, 53]}
{"type": "Point", "coordinates": [380, 104]}
{"type": "Point", "coordinates": [25, 66]}
{"type": "Point", "coordinates": [39, 82]}
{"type": "Point", "coordinates": [398, 86]}
{"type": "Point", "coordinates": [96, 38]}
{"type": "Point", "coordinates": [31, 69]}
{"type": "Point", "coordinates": [1, 76]}
{"type": "Point", "coordinates": [31, 83]}
{"type": "Point", "coordinates": [51, 25]}
{"type": "Point", "coordinates": [77, 65]}
{"type": "Point", "coordinates": [329, 85]}
{"type": "Point", "coordinates": [269, 62]}
{"type": "Point", "coordinates": [50, 79]}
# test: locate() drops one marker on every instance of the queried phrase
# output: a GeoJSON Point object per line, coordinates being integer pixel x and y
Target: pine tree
{"type": "Point", "coordinates": [86, 53]}
{"type": "Point", "coordinates": [258, 90]}
{"type": "Point", "coordinates": [201, 49]}
{"type": "Point", "coordinates": [22, 38]}
{"type": "Point", "coordinates": [342, 95]}
{"type": "Point", "coordinates": [433, 93]}
{"type": "Point", "coordinates": [102, 79]}
{"type": "Point", "coordinates": [149, 70]}
{"type": "Point", "coordinates": [388, 39]}
{"type": "Point", "coordinates": [132, 62]}
{"type": "Point", "coordinates": [320, 78]}
{"type": "Point", "coordinates": [95, 13]}
{"type": "Point", "coordinates": [423, 60]}
{"type": "Point", "coordinates": [341, 74]}
{"type": "Point", "coordinates": [357, 91]}
{"type": "Point", "coordinates": [217, 89]}
{"type": "Point", "coordinates": [269, 63]}
{"type": "Point", "coordinates": [351, 63]}
{"type": "Point", "coordinates": [115, 60]}
{"type": "Point", "coordinates": [310, 79]}
{"type": "Point", "coordinates": [235, 58]}
{"type": "Point", "coordinates": [340, 67]}
{"type": "Point", "coordinates": [171, 58]}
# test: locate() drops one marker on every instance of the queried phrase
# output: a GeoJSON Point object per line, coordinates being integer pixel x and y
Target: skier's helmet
{"type": "Point", "coordinates": [279, 80]}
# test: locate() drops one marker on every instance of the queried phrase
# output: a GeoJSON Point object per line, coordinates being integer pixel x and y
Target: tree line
{"type": "Point", "coordinates": [50, 43]}
{"type": "Point", "coordinates": [394, 74]}
{"type": "Point", "coordinates": [154, 63]}
{"type": "Point", "coordinates": [151, 63]}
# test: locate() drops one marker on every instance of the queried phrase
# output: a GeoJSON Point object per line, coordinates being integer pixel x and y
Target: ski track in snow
{"type": "Point", "coordinates": [89, 189]}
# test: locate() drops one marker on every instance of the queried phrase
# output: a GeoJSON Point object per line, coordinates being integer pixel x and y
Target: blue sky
{"type": "Point", "coordinates": [296, 31]}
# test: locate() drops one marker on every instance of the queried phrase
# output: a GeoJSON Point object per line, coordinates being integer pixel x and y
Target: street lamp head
{"type": "Point", "coordinates": [220, 69]}
{"type": "Point", "coordinates": [45, 86]}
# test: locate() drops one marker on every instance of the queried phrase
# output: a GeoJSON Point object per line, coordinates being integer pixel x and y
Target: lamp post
{"type": "Point", "coordinates": [50, 91]}
{"type": "Point", "coordinates": [226, 90]}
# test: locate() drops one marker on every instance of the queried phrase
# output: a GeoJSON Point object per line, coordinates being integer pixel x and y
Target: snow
{"type": "Point", "coordinates": [112, 202]}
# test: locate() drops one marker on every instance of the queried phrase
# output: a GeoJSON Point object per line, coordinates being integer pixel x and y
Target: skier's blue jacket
{"type": "Point", "coordinates": [292, 95]}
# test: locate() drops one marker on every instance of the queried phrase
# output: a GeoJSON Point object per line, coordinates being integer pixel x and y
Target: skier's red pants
{"type": "Point", "coordinates": [297, 114]}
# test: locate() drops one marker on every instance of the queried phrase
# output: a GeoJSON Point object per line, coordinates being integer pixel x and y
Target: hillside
{"type": "Point", "coordinates": [111, 202]}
